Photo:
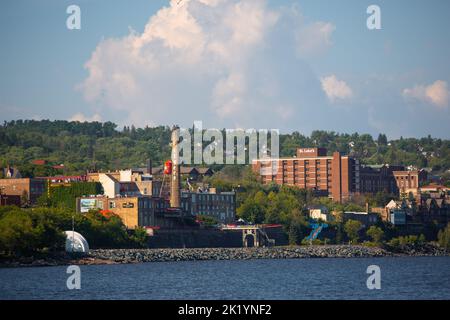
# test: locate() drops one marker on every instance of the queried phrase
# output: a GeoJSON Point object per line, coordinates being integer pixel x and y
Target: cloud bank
{"type": "Point", "coordinates": [228, 63]}
{"type": "Point", "coordinates": [243, 63]}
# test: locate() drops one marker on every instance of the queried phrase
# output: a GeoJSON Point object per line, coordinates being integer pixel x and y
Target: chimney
{"type": "Point", "coordinates": [175, 200]}
{"type": "Point", "coordinates": [149, 166]}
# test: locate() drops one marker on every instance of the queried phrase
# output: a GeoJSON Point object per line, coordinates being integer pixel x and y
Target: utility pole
{"type": "Point", "coordinates": [73, 231]}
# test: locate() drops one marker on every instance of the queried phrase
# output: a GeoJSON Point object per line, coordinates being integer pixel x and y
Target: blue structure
{"type": "Point", "coordinates": [316, 229]}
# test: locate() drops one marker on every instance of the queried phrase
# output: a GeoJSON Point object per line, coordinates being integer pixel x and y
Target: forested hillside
{"type": "Point", "coordinates": [95, 145]}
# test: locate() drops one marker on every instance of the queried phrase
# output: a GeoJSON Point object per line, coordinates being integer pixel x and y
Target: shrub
{"type": "Point", "coordinates": [352, 228]}
{"type": "Point", "coordinates": [375, 233]}
{"type": "Point", "coordinates": [444, 237]}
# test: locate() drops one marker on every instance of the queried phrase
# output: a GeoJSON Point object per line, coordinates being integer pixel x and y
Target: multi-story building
{"type": "Point", "coordinates": [408, 181]}
{"type": "Point", "coordinates": [30, 188]}
{"type": "Point", "coordinates": [152, 211]}
{"type": "Point", "coordinates": [143, 211]}
{"type": "Point", "coordinates": [126, 183]}
{"type": "Point", "coordinates": [337, 175]}
{"type": "Point", "coordinates": [221, 206]}
{"type": "Point", "coordinates": [375, 178]}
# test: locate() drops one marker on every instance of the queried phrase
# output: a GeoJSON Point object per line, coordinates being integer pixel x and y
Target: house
{"type": "Point", "coordinates": [205, 172]}
{"type": "Point", "coordinates": [398, 211]}
{"type": "Point", "coordinates": [435, 210]}
{"type": "Point", "coordinates": [11, 173]}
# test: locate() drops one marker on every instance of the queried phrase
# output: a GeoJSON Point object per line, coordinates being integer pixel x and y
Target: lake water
{"type": "Point", "coordinates": [401, 278]}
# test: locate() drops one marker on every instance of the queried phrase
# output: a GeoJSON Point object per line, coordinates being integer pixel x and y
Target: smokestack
{"type": "Point", "coordinates": [149, 166]}
{"type": "Point", "coordinates": [175, 199]}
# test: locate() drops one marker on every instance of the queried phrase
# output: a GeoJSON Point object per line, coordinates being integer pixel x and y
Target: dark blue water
{"type": "Point", "coordinates": [401, 278]}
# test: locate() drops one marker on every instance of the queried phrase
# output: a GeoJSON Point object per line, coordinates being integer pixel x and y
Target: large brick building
{"type": "Point", "coordinates": [337, 175]}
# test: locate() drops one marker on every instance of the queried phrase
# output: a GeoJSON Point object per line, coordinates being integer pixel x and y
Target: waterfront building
{"type": "Point", "coordinates": [221, 206]}
{"type": "Point", "coordinates": [142, 211]}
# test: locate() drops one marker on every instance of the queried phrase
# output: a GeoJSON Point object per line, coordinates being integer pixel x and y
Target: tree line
{"type": "Point", "coordinates": [82, 146]}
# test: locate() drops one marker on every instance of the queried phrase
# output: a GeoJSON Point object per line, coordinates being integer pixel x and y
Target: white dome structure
{"type": "Point", "coordinates": [75, 242]}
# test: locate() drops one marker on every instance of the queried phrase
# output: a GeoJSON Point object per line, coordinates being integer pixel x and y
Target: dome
{"type": "Point", "coordinates": [75, 242]}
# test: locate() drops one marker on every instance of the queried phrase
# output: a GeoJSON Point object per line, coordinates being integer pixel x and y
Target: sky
{"type": "Point", "coordinates": [263, 64]}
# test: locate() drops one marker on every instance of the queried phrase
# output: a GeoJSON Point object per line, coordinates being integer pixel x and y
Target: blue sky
{"type": "Point", "coordinates": [291, 65]}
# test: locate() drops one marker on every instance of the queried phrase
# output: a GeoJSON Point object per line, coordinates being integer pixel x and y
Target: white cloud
{"type": "Point", "coordinates": [314, 38]}
{"type": "Point", "coordinates": [335, 89]}
{"type": "Point", "coordinates": [82, 118]}
{"type": "Point", "coordinates": [436, 93]}
{"type": "Point", "coordinates": [211, 60]}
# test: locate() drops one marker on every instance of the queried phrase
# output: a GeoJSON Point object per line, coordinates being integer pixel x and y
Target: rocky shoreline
{"type": "Point", "coordinates": [121, 256]}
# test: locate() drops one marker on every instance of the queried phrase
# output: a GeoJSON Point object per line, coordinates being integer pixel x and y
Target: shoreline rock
{"type": "Point", "coordinates": [122, 256]}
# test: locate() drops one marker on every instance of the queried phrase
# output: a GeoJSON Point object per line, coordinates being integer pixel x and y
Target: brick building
{"type": "Point", "coordinates": [221, 206]}
{"type": "Point", "coordinates": [337, 175]}
{"type": "Point", "coordinates": [29, 187]}
{"type": "Point", "coordinates": [409, 180]}
{"type": "Point", "coordinates": [376, 178]}
{"type": "Point", "coordinates": [143, 211]}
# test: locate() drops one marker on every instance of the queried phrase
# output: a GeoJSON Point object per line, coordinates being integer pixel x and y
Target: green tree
{"type": "Point", "coordinates": [444, 237]}
{"type": "Point", "coordinates": [298, 228]}
{"type": "Point", "coordinates": [382, 139]}
{"type": "Point", "coordinates": [251, 211]}
{"type": "Point", "coordinates": [376, 233]}
{"type": "Point", "coordinates": [351, 228]}
{"type": "Point", "coordinates": [140, 237]}
{"type": "Point", "coordinates": [16, 233]}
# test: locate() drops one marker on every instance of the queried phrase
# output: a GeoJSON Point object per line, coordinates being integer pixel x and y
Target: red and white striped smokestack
{"type": "Point", "coordinates": [175, 185]}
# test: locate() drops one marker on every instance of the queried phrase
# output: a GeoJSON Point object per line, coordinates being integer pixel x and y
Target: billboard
{"type": "Point", "coordinates": [90, 204]}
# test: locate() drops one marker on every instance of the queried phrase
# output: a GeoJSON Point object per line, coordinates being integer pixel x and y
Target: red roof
{"type": "Point", "coordinates": [39, 162]}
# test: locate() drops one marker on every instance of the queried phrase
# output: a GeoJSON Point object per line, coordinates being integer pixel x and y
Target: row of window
{"type": "Point", "coordinates": [212, 197]}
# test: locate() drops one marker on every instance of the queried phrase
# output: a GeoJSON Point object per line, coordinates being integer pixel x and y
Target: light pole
{"type": "Point", "coordinates": [73, 230]}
